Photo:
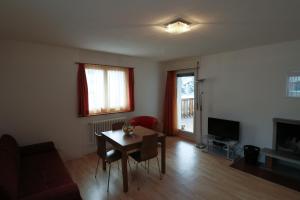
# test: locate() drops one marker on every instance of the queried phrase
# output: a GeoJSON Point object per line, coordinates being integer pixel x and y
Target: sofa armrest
{"type": "Point", "coordinates": [64, 192]}
{"type": "Point", "coordinates": [37, 148]}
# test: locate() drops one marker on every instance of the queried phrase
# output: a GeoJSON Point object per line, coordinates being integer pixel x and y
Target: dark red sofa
{"type": "Point", "coordinates": [33, 172]}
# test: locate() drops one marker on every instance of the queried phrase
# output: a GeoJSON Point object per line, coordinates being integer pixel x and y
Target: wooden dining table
{"type": "Point", "coordinates": [126, 143]}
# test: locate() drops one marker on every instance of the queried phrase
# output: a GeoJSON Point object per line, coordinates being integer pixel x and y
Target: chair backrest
{"type": "Point", "coordinates": [145, 121]}
{"type": "Point", "coordinates": [117, 125]}
{"type": "Point", "coordinates": [101, 146]}
{"type": "Point", "coordinates": [149, 147]}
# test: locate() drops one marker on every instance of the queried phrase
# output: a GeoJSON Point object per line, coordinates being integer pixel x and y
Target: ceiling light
{"type": "Point", "coordinates": [178, 26]}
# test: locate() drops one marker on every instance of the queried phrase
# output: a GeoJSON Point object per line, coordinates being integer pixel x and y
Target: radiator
{"type": "Point", "coordinates": [100, 126]}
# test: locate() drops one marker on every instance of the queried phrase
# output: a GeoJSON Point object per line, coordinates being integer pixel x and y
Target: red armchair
{"type": "Point", "coordinates": [145, 121]}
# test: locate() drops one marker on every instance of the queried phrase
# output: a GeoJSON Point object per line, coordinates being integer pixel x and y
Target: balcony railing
{"type": "Point", "coordinates": [187, 108]}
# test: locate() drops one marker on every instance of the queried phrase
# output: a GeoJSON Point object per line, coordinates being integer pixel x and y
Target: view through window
{"type": "Point", "coordinates": [293, 85]}
{"type": "Point", "coordinates": [185, 102]}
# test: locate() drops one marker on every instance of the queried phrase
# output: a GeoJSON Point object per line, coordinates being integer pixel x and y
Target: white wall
{"type": "Point", "coordinates": [38, 85]}
{"type": "Point", "coordinates": [249, 86]}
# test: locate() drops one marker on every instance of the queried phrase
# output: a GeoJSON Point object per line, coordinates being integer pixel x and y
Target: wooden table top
{"type": "Point", "coordinates": [119, 137]}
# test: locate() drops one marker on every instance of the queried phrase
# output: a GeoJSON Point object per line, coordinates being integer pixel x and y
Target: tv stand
{"type": "Point", "coordinates": [228, 146]}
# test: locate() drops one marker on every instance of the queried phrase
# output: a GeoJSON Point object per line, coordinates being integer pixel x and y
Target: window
{"type": "Point", "coordinates": [293, 85]}
{"type": "Point", "coordinates": [108, 89]}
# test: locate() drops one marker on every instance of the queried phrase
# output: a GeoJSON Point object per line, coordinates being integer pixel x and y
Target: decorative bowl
{"type": "Point", "coordinates": [127, 129]}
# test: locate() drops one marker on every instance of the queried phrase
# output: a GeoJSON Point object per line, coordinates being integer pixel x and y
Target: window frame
{"type": "Point", "coordinates": [288, 92]}
{"type": "Point", "coordinates": [106, 68]}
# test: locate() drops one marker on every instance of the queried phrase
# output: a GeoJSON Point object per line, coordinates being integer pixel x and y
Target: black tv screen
{"type": "Point", "coordinates": [223, 129]}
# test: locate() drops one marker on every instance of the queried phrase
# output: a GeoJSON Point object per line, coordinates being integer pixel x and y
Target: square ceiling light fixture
{"type": "Point", "coordinates": [178, 26]}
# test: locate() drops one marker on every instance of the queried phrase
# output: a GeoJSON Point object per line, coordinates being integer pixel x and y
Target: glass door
{"type": "Point", "coordinates": [185, 102]}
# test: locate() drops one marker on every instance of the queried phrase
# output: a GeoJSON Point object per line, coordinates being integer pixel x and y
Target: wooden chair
{"type": "Point", "coordinates": [114, 126]}
{"type": "Point", "coordinates": [147, 152]}
{"type": "Point", "coordinates": [117, 126]}
{"type": "Point", "coordinates": [107, 156]}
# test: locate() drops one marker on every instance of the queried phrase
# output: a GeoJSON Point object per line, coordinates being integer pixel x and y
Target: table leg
{"type": "Point", "coordinates": [228, 151]}
{"type": "Point", "coordinates": [163, 155]}
{"type": "Point", "coordinates": [124, 171]}
{"type": "Point", "coordinates": [269, 162]}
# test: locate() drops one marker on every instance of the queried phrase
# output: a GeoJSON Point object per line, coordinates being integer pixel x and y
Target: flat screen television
{"type": "Point", "coordinates": [223, 129]}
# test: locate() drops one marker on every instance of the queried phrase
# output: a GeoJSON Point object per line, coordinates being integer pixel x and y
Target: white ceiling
{"type": "Point", "coordinates": [133, 27]}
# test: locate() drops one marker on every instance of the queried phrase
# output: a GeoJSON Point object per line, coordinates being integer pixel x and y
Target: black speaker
{"type": "Point", "coordinates": [251, 154]}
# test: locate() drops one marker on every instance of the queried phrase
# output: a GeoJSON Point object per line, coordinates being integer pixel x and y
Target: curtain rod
{"type": "Point", "coordinates": [182, 69]}
{"type": "Point", "coordinates": [102, 64]}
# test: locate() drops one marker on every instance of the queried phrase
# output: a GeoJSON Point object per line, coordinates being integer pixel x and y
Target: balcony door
{"type": "Point", "coordinates": [185, 102]}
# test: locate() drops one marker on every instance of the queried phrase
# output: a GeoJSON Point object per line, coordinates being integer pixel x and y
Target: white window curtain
{"type": "Point", "coordinates": [108, 89]}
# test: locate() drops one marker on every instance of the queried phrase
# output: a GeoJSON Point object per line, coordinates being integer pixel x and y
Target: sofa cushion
{"type": "Point", "coordinates": [63, 192]}
{"type": "Point", "coordinates": [42, 171]}
{"type": "Point", "coordinates": [9, 166]}
{"type": "Point", "coordinates": [36, 148]}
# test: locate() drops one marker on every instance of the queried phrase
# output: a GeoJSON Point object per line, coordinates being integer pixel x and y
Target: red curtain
{"type": "Point", "coordinates": [131, 89]}
{"type": "Point", "coordinates": [170, 105]}
{"type": "Point", "coordinates": [82, 92]}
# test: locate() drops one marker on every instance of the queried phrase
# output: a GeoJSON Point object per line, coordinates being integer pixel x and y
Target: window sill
{"type": "Point", "coordinates": [107, 113]}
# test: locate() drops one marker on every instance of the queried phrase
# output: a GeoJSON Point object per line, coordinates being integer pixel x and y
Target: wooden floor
{"type": "Point", "coordinates": [190, 174]}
